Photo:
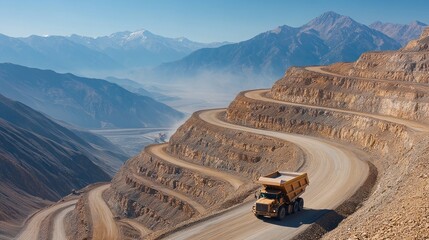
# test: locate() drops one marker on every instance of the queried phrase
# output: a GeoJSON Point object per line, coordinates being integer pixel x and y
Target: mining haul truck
{"type": "Point", "coordinates": [280, 194]}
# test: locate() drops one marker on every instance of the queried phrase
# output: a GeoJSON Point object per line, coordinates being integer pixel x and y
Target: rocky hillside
{"type": "Point", "coordinates": [84, 102]}
{"type": "Point", "coordinates": [41, 161]}
{"type": "Point", "coordinates": [375, 107]}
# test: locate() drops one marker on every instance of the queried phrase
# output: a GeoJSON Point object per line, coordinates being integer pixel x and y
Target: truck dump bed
{"type": "Point", "coordinates": [291, 184]}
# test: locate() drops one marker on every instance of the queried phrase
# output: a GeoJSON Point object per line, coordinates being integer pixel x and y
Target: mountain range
{"type": "Point", "coordinates": [118, 51]}
{"type": "Point", "coordinates": [141, 48]}
{"type": "Point", "coordinates": [84, 102]}
{"type": "Point", "coordinates": [41, 160]}
{"type": "Point", "coordinates": [403, 33]}
{"type": "Point", "coordinates": [326, 39]}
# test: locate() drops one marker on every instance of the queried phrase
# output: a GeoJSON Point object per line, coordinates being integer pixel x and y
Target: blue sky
{"type": "Point", "coordinates": [198, 20]}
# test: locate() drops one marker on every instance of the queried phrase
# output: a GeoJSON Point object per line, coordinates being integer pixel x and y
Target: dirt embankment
{"type": "Point", "coordinates": [242, 153]}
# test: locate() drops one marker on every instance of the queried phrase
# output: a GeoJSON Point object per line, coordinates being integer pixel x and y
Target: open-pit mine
{"type": "Point", "coordinates": [360, 130]}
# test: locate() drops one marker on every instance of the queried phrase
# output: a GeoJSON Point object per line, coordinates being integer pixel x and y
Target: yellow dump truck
{"type": "Point", "coordinates": [280, 194]}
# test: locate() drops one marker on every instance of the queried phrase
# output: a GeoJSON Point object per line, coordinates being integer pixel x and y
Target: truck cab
{"type": "Point", "coordinates": [280, 194]}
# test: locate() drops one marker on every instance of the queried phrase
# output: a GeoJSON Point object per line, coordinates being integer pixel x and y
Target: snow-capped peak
{"type": "Point", "coordinates": [140, 34]}
{"type": "Point", "coordinates": [276, 30]}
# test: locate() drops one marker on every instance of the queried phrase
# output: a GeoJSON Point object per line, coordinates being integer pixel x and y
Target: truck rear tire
{"type": "Point", "coordinates": [282, 213]}
{"type": "Point", "coordinates": [295, 206]}
{"type": "Point", "coordinates": [300, 204]}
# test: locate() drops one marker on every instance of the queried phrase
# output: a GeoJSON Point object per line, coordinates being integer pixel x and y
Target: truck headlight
{"type": "Point", "coordinates": [274, 210]}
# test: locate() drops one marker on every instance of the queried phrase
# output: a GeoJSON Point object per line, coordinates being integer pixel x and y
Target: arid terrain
{"type": "Point", "coordinates": [359, 130]}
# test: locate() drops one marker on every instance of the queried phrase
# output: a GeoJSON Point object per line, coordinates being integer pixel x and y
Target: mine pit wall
{"type": "Point", "coordinates": [397, 100]}
{"type": "Point", "coordinates": [394, 149]}
{"type": "Point", "coordinates": [156, 210]}
{"type": "Point", "coordinates": [364, 132]}
{"type": "Point", "coordinates": [398, 65]}
{"type": "Point", "coordinates": [241, 153]}
{"type": "Point", "coordinates": [244, 154]}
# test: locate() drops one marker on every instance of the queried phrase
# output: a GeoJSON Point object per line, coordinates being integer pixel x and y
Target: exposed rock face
{"type": "Point", "coordinates": [136, 198]}
{"type": "Point", "coordinates": [249, 155]}
{"type": "Point", "coordinates": [381, 97]}
{"type": "Point", "coordinates": [367, 133]}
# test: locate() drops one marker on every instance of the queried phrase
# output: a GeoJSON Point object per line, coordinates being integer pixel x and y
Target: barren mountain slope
{"type": "Point", "coordinates": [40, 161]}
{"type": "Point", "coordinates": [402, 33]}
{"type": "Point", "coordinates": [84, 102]}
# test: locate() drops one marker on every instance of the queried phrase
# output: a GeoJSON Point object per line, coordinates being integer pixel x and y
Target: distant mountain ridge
{"type": "Point", "coordinates": [403, 33]}
{"type": "Point", "coordinates": [84, 102]}
{"type": "Point", "coordinates": [142, 47]}
{"type": "Point", "coordinates": [328, 38]}
{"type": "Point", "coordinates": [76, 53]}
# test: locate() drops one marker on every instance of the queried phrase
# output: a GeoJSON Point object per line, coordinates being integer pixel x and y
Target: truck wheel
{"type": "Point", "coordinates": [258, 216]}
{"type": "Point", "coordinates": [282, 213]}
{"type": "Point", "coordinates": [300, 204]}
{"type": "Point", "coordinates": [295, 207]}
{"type": "Point", "coordinates": [289, 209]}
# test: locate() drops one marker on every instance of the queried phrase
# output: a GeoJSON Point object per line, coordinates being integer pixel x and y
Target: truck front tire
{"type": "Point", "coordinates": [282, 213]}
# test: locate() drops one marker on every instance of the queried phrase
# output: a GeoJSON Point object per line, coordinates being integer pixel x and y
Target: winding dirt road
{"type": "Point", "coordinates": [32, 228]}
{"type": "Point", "coordinates": [103, 224]}
{"type": "Point", "coordinates": [235, 181]}
{"type": "Point", "coordinates": [335, 174]}
{"type": "Point", "coordinates": [59, 232]}
{"type": "Point", "coordinates": [137, 226]}
{"type": "Point", "coordinates": [319, 69]}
